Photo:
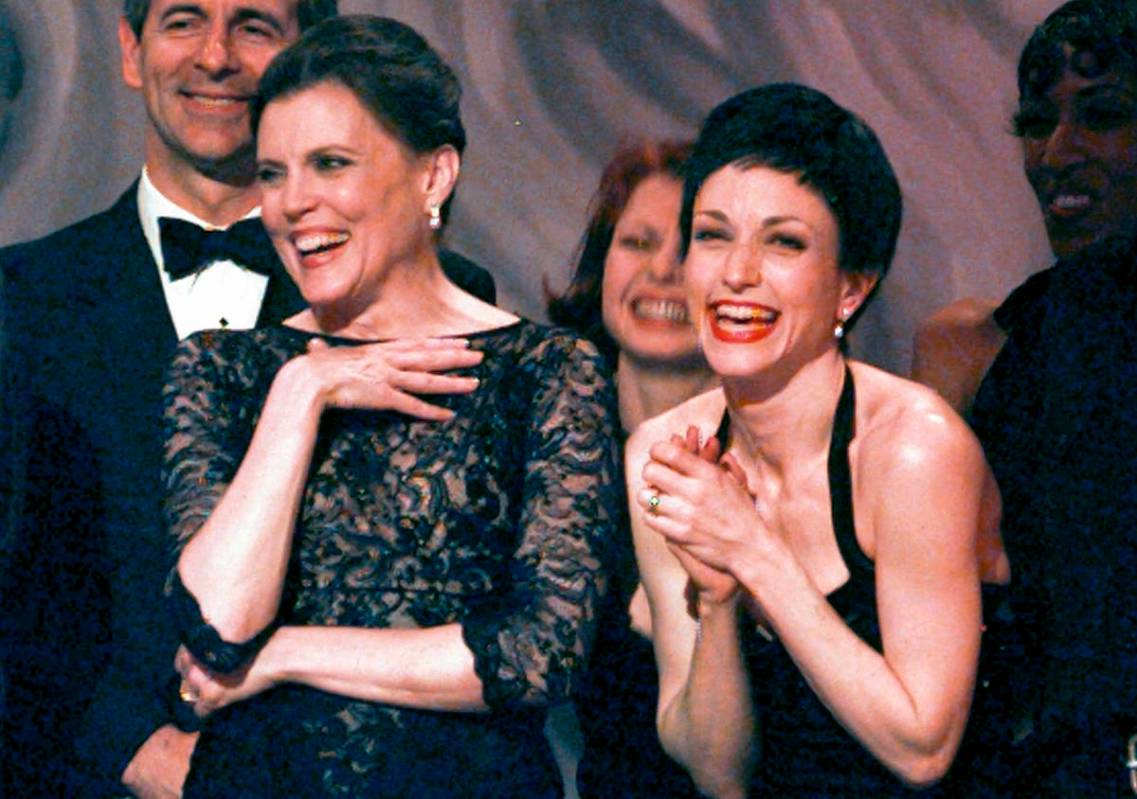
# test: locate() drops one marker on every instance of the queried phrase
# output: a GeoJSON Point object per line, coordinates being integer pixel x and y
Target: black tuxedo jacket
{"type": "Point", "coordinates": [85, 643]}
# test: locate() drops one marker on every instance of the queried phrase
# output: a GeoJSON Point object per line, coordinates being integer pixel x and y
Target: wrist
{"type": "Point", "coordinates": [711, 606]}
{"type": "Point", "coordinates": [272, 662]}
{"type": "Point", "coordinates": [299, 383]}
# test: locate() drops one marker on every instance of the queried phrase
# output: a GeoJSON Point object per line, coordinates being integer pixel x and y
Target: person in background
{"type": "Point", "coordinates": [390, 511]}
{"type": "Point", "coordinates": [1054, 409]}
{"type": "Point", "coordinates": [1063, 133]}
{"type": "Point", "coordinates": [811, 536]}
{"type": "Point", "coordinates": [627, 295]}
{"type": "Point", "coordinates": [93, 312]}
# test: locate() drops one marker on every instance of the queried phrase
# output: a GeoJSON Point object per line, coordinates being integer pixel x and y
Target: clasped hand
{"type": "Point", "coordinates": [207, 691]}
{"type": "Point", "coordinates": [697, 499]}
{"type": "Point", "coordinates": [387, 375]}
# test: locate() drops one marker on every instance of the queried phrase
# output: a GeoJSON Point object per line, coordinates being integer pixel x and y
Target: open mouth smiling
{"type": "Point", "coordinates": [741, 322]}
{"type": "Point", "coordinates": [661, 310]}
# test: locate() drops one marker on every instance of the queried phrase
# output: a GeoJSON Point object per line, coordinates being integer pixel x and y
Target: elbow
{"type": "Point", "coordinates": [719, 786]}
{"type": "Point", "coordinates": [925, 768]}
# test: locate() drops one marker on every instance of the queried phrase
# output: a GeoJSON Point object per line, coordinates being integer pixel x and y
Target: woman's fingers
{"type": "Point", "coordinates": [429, 383]}
{"type": "Point", "coordinates": [413, 406]}
{"type": "Point", "coordinates": [384, 375]}
{"type": "Point", "coordinates": [733, 469]}
{"type": "Point", "coordinates": [433, 360]}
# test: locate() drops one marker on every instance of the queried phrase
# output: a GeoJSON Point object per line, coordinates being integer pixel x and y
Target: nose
{"type": "Point", "coordinates": [743, 268]}
{"type": "Point", "coordinates": [296, 197]}
{"type": "Point", "coordinates": [1064, 146]}
{"type": "Point", "coordinates": [217, 55]}
{"type": "Point", "coordinates": [664, 265]}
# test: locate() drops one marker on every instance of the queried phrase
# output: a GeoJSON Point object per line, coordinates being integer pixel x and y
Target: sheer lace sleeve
{"type": "Point", "coordinates": [208, 427]}
{"type": "Point", "coordinates": [531, 643]}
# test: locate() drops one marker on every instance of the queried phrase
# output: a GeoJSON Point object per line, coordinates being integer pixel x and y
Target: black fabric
{"type": "Point", "coordinates": [188, 248]}
{"type": "Point", "coordinates": [618, 697]}
{"type": "Point", "coordinates": [1055, 414]}
{"type": "Point", "coordinates": [202, 639]}
{"type": "Point", "coordinates": [87, 646]}
{"type": "Point", "coordinates": [805, 751]}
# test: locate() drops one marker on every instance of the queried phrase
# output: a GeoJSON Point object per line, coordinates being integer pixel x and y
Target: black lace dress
{"type": "Point", "coordinates": [495, 520]}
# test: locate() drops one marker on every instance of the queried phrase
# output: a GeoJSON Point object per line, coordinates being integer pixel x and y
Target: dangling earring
{"type": "Point", "coordinates": [435, 217]}
{"type": "Point", "coordinates": [839, 328]}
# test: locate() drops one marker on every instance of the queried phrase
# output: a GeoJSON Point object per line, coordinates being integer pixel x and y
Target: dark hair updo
{"type": "Point", "coordinates": [392, 70]}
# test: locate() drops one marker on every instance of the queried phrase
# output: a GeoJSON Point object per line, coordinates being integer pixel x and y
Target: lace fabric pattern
{"type": "Point", "coordinates": [496, 519]}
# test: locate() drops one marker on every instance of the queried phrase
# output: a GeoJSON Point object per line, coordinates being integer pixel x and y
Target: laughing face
{"type": "Point", "coordinates": [763, 282]}
{"type": "Point", "coordinates": [342, 199]}
{"type": "Point", "coordinates": [643, 301]}
{"type": "Point", "coordinates": [1080, 154]}
{"type": "Point", "coordinates": [197, 64]}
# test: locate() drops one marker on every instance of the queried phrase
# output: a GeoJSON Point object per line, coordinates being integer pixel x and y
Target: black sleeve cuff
{"type": "Point", "coordinates": [202, 640]}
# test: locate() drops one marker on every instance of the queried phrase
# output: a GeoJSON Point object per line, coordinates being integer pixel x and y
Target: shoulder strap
{"type": "Point", "coordinates": [841, 482]}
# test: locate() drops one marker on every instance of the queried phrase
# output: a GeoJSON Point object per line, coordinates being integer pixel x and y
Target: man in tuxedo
{"type": "Point", "coordinates": [92, 313]}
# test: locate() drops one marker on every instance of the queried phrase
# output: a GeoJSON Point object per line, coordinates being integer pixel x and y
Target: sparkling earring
{"type": "Point", "coordinates": [435, 217]}
{"type": "Point", "coordinates": [839, 328]}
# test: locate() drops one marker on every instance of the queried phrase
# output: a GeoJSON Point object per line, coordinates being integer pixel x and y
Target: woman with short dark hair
{"type": "Point", "coordinates": [812, 535]}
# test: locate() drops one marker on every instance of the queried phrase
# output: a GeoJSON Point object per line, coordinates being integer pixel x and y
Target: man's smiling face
{"type": "Point", "coordinates": [197, 64]}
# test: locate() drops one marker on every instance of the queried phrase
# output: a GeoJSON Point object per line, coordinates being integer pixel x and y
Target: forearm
{"type": "Point", "coordinates": [235, 564]}
{"type": "Point", "coordinates": [429, 669]}
{"type": "Point", "coordinates": [910, 715]}
{"type": "Point", "coordinates": [709, 725]}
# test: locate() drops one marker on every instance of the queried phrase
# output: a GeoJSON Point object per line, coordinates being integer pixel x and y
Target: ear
{"type": "Point", "coordinates": [131, 49]}
{"type": "Point", "coordinates": [443, 166]}
{"type": "Point", "coordinates": [855, 289]}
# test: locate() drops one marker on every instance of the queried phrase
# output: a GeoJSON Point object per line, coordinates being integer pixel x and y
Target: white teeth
{"type": "Point", "coordinates": [311, 242]}
{"type": "Point", "coordinates": [215, 101]}
{"type": "Point", "coordinates": [746, 313]}
{"type": "Point", "coordinates": [1071, 201]}
{"type": "Point", "coordinates": [669, 310]}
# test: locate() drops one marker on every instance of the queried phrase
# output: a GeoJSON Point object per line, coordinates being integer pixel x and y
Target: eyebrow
{"type": "Point", "coordinates": [244, 14]}
{"type": "Point", "coordinates": [778, 220]}
{"type": "Point", "coordinates": [256, 14]}
{"type": "Point", "coordinates": [714, 214]}
{"type": "Point", "coordinates": [766, 223]}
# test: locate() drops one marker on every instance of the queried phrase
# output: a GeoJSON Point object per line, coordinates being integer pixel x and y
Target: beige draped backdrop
{"type": "Point", "coordinates": [553, 86]}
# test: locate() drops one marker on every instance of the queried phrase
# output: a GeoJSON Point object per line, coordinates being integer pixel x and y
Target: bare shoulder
{"type": "Point", "coordinates": [919, 471]}
{"type": "Point", "coordinates": [904, 424]}
{"type": "Point", "coordinates": [704, 411]}
{"type": "Point", "coordinates": [955, 346]}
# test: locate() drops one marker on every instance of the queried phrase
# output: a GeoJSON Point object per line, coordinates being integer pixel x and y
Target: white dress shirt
{"type": "Point", "coordinates": [223, 295]}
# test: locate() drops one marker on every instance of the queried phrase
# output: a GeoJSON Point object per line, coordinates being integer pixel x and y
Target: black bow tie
{"type": "Point", "coordinates": [187, 248]}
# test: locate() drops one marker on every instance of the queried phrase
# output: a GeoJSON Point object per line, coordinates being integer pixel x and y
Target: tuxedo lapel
{"type": "Point", "coordinates": [282, 298]}
{"type": "Point", "coordinates": [126, 282]}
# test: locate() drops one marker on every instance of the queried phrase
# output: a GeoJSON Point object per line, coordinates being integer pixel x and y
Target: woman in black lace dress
{"type": "Point", "coordinates": [812, 536]}
{"type": "Point", "coordinates": [390, 510]}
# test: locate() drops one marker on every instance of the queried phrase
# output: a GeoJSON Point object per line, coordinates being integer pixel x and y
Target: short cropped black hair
{"type": "Point", "coordinates": [801, 131]}
{"type": "Point", "coordinates": [1102, 34]}
{"type": "Point", "coordinates": [308, 12]}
